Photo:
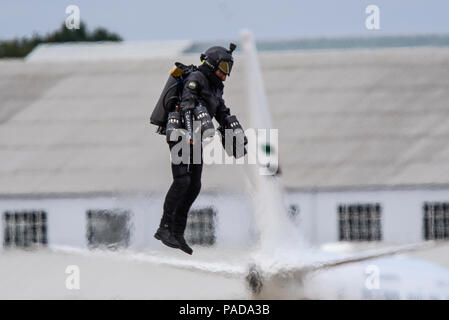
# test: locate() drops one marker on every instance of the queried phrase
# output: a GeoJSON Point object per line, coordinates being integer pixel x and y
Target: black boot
{"type": "Point", "coordinates": [165, 235]}
{"type": "Point", "coordinates": [182, 243]}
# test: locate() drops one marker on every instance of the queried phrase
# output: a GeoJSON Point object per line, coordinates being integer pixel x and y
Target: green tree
{"type": "Point", "coordinates": [18, 48]}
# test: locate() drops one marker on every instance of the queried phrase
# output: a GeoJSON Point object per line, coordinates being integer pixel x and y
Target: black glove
{"type": "Point", "coordinates": [174, 122]}
{"type": "Point", "coordinates": [238, 136]}
{"type": "Point", "coordinates": [207, 126]}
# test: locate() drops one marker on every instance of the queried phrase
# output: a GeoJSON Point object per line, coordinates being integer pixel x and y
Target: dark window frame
{"type": "Point", "coordinates": [435, 220]}
{"type": "Point", "coordinates": [360, 222]}
{"type": "Point", "coordinates": [25, 228]}
{"type": "Point", "coordinates": [119, 218]}
{"type": "Point", "coordinates": [201, 226]}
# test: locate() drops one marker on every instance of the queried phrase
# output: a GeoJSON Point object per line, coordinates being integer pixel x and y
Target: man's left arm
{"type": "Point", "coordinates": [228, 121]}
{"type": "Point", "coordinates": [222, 112]}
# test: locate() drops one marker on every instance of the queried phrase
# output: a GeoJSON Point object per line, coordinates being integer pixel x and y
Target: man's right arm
{"type": "Point", "coordinates": [191, 92]}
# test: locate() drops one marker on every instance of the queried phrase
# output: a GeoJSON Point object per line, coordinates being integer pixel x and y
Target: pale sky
{"type": "Point", "coordinates": [220, 19]}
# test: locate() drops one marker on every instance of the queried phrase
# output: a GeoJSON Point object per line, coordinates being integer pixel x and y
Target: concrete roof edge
{"type": "Point", "coordinates": [365, 188]}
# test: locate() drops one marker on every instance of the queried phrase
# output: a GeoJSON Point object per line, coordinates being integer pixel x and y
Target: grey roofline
{"type": "Point", "coordinates": [359, 188]}
{"type": "Point", "coordinates": [365, 188]}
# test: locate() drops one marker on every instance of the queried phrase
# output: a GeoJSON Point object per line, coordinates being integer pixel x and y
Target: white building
{"type": "Point", "coordinates": [362, 136]}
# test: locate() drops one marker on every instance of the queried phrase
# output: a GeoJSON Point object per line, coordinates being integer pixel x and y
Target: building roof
{"type": "Point", "coordinates": [361, 117]}
{"type": "Point", "coordinates": [108, 50]}
{"type": "Point", "coordinates": [346, 118]}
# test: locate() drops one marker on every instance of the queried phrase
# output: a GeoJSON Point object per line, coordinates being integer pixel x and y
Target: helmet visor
{"type": "Point", "coordinates": [225, 67]}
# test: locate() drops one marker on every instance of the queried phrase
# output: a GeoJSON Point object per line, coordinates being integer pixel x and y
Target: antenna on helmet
{"type": "Point", "coordinates": [232, 47]}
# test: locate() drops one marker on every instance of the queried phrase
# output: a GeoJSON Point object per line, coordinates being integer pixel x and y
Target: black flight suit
{"type": "Point", "coordinates": [207, 90]}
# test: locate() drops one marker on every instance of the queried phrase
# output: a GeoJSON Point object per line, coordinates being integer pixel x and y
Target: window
{"type": "Point", "coordinates": [360, 222]}
{"type": "Point", "coordinates": [24, 229]}
{"type": "Point", "coordinates": [200, 227]}
{"type": "Point", "coordinates": [436, 220]}
{"type": "Point", "coordinates": [108, 228]}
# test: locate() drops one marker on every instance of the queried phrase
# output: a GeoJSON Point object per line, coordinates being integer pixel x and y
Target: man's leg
{"type": "Point", "coordinates": [180, 217]}
{"type": "Point", "coordinates": [175, 194]}
{"type": "Point", "coordinates": [177, 190]}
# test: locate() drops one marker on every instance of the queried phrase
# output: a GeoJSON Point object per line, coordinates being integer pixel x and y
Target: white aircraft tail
{"type": "Point", "coordinates": [276, 230]}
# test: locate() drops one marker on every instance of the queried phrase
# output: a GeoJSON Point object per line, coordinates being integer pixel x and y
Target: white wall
{"type": "Point", "coordinates": [306, 203]}
{"type": "Point", "coordinates": [235, 225]}
{"type": "Point", "coordinates": [402, 212]}
{"type": "Point", "coordinates": [67, 223]}
{"type": "Point", "coordinates": [402, 215]}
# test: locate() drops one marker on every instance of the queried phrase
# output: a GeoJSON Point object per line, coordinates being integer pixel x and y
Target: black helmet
{"type": "Point", "coordinates": [219, 58]}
